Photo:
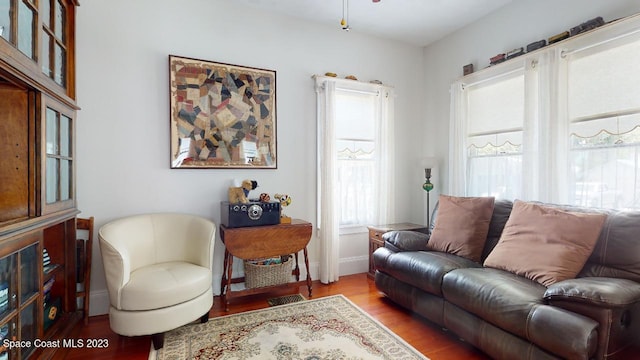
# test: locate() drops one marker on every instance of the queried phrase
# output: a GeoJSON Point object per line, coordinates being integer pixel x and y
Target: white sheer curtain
{"type": "Point", "coordinates": [385, 150]}
{"type": "Point", "coordinates": [328, 222]}
{"type": "Point", "coordinates": [457, 141]}
{"type": "Point", "coordinates": [329, 200]}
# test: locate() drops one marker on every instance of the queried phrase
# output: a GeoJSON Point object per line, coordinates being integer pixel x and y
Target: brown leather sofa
{"type": "Point", "coordinates": [594, 316]}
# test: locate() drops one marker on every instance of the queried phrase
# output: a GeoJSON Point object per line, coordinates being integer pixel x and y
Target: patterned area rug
{"type": "Point", "coordinates": [324, 328]}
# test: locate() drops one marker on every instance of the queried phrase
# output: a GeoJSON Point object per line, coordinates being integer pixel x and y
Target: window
{"type": "Point", "coordinates": [561, 125]}
{"type": "Point", "coordinates": [494, 137]}
{"type": "Point", "coordinates": [356, 165]}
{"type": "Point", "coordinates": [603, 101]}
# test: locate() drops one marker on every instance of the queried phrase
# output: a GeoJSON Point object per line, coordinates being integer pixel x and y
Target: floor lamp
{"type": "Point", "coordinates": [427, 186]}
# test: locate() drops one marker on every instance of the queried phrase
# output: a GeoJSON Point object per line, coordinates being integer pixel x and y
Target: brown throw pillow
{"type": "Point", "coordinates": [545, 244]}
{"type": "Point", "coordinates": [462, 225]}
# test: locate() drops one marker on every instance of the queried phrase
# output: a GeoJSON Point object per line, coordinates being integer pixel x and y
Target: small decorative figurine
{"type": "Point", "coordinates": [264, 197]}
{"type": "Point", "coordinates": [239, 194]}
{"type": "Point", "coordinates": [285, 200]}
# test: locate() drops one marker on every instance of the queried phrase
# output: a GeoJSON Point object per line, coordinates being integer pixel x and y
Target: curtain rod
{"type": "Point", "coordinates": [348, 81]}
{"type": "Point", "coordinates": [356, 91]}
{"type": "Point", "coordinates": [564, 54]}
{"type": "Point", "coordinates": [491, 78]}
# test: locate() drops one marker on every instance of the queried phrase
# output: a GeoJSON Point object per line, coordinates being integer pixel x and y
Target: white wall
{"type": "Point", "coordinates": [123, 91]}
{"type": "Point", "coordinates": [513, 26]}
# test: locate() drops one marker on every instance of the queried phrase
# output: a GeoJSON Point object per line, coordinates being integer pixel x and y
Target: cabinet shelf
{"type": "Point", "coordinates": [51, 271]}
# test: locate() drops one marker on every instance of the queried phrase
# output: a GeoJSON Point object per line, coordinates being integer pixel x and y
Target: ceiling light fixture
{"type": "Point", "coordinates": [345, 15]}
{"type": "Point", "coordinates": [344, 23]}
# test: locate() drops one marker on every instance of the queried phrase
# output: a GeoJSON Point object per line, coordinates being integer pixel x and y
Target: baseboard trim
{"type": "Point", "coordinates": [98, 302]}
{"type": "Point", "coordinates": [353, 265]}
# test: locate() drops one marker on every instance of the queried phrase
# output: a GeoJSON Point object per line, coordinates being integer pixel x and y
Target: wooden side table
{"type": "Point", "coordinates": [263, 242]}
{"type": "Point", "coordinates": [375, 238]}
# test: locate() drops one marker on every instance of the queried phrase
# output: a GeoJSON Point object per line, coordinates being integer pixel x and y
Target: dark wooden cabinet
{"type": "Point", "coordinates": [37, 177]}
{"type": "Point", "coordinates": [376, 241]}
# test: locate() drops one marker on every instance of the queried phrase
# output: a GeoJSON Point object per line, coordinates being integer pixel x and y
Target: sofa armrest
{"type": "Point", "coordinates": [613, 302]}
{"type": "Point", "coordinates": [600, 291]}
{"type": "Point", "coordinates": [405, 240]}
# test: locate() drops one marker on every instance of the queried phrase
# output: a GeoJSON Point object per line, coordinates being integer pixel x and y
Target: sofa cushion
{"type": "Point", "coordinates": [461, 226]}
{"type": "Point", "coordinates": [164, 284]}
{"type": "Point", "coordinates": [618, 249]}
{"type": "Point", "coordinates": [545, 244]}
{"type": "Point", "coordinates": [498, 297]}
{"type": "Point", "coordinates": [422, 269]}
{"type": "Point", "coordinates": [501, 211]}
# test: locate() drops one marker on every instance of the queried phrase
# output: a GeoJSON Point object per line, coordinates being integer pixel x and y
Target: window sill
{"type": "Point", "coordinates": [354, 229]}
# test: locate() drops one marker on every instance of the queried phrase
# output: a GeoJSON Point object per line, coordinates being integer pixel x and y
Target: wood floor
{"type": "Point", "coordinates": [424, 336]}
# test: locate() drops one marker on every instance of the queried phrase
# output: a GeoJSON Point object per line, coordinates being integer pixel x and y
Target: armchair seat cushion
{"type": "Point", "coordinates": [164, 284]}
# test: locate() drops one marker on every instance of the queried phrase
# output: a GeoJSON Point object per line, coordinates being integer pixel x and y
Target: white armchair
{"type": "Point", "coordinates": [159, 272]}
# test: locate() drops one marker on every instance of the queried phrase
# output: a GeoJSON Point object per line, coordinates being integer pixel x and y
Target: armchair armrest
{"type": "Point", "coordinates": [406, 240]}
{"type": "Point", "coordinates": [600, 291]}
{"type": "Point", "coordinates": [199, 242]}
{"type": "Point", "coordinates": [117, 268]}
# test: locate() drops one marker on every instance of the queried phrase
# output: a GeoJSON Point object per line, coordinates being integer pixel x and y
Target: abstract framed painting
{"type": "Point", "coordinates": [222, 115]}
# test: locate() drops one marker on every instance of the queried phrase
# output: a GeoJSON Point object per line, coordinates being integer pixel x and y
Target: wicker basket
{"type": "Point", "coordinates": [259, 275]}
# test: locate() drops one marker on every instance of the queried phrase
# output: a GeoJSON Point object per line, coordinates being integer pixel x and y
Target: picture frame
{"type": "Point", "coordinates": [221, 115]}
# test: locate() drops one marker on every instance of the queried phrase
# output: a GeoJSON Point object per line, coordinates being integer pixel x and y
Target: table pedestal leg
{"type": "Point", "coordinates": [297, 269]}
{"type": "Point", "coordinates": [306, 264]}
{"type": "Point", "coordinates": [229, 270]}
{"type": "Point", "coordinates": [223, 283]}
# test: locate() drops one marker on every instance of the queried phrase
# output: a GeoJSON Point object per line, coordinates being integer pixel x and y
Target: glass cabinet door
{"type": "Point", "coordinates": [54, 40]}
{"type": "Point", "coordinates": [8, 331]}
{"type": "Point", "coordinates": [29, 279]}
{"type": "Point", "coordinates": [28, 328]}
{"type": "Point", "coordinates": [58, 179]}
{"type": "Point", "coordinates": [19, 295]}
{"type": "Point", "coordinates": [41, 31]}
{"type": "Point", "coordinates": [18, 25]}
{"type": "Point", "coordinates": [27, 18]}
{"type": "Point", "coordinates": [8, 286]}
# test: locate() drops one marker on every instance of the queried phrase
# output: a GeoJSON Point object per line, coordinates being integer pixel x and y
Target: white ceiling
{"type": "Point", "coordinates": [417, 22]}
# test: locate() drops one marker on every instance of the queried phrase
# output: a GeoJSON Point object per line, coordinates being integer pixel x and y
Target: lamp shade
{"type": "Point", "coordinates": [429, 162]}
